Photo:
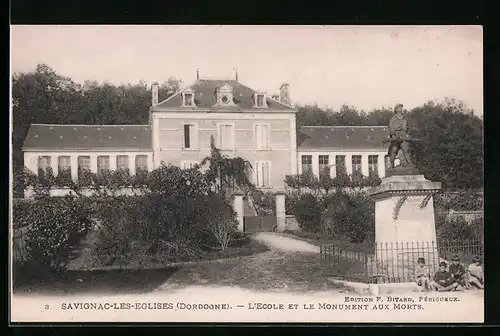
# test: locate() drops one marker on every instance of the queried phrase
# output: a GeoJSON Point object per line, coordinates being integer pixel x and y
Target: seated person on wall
{"type": "Point", "coordinates": [443, 281]}
{"type": "Point", "coordinates": [457, 271]}
{"type": "Point", "coordinates": [422, 274]}
{"type": "Point", "coordinates": [475, 271]}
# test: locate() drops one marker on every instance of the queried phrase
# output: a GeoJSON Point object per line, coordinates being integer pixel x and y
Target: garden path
{"type": "Point", "coordinates": [284, 243]}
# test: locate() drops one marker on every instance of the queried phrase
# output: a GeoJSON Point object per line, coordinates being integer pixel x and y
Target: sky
{"type": "Point", "coordinates": [363, 66]}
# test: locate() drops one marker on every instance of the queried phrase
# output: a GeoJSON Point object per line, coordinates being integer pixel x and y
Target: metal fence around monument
{"type": "Point", "coordinates": [393, 262]}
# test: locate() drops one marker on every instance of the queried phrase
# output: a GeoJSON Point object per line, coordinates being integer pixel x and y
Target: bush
{"type": "Point", "coordinates": [221, 222]}
{"type": "Point", "coordinates": [85, 177]}
{"type": "Point", "coordinates": [175, 217]}
{"type": "Point", "coordinates": [22, 179]}
{"type": "Point", "coordinates": [350, 216]}
{"type": "Point", "coordinates": [308, 213]}
{"type": "Point", "coordinates": [477, 226]}
{"type": "Point", "coordinates": [56, 227]}
{"type": "Point", "coordinates": [290, 201]}
{"type": "Point", "coordinates": [64, 179]}
{"type": "Point", "coordinates": [21, 210]}
{"type": "Point", "coordinates": [117, 227]}
{"type": "Point", "coordinates": [465, 200]}
{"type": "Point", "coordinates": [175, 220]}
{"type": "Point", "coordinates": [452, 229]}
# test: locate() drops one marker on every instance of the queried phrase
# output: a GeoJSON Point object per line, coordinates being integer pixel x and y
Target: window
{"type": "Point", "coordinates": [262, 136]}
{"type": "Point", "coordinates": [188, 98]}
{"type": "Point", "coordinates": [122, 162]}
{"type": "Point", "coordinates": [102, 164]}
{"type": "Point", "coordinates": [372, 164]}
{"type": "Point", "coordinates": [64, 163]}
{"type": "Point", "coordinates": [263, 174]}
{"type": "Point", "coordinates": [190, 136]}
{"type": "Point", "coordinates": [226, 136]}
{"type": "Point", "coordinates": [188, 164]}
{"type": "Point", "coordinates": [84, 162]}
{"type": "Point", "coordinates": [324, 167]}
{"type": "Point", "coordinates": [260, 100]}
{"type": "Point", "coordinates": [224, 95]}
{"type": "Point", "coordinates": [141, 162]}
{"type": "Point", "coordinates": [340, 167]}
{"type": "Point", "coordinates": [44, 163]}
{"type": "Point", "coordinates": [356, 163]}
{"type": "Point", "coordinates": [306, 163]}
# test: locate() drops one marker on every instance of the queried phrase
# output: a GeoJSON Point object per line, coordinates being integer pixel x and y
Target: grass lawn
{"type": "Point", "coordinates": [272, 270]}
{"type": "Point", "coordinates": [104, 281]}
{"type": "Point", "coordinates": [138, 259]}
{"type": "Point", "coordinates": [140, 275]}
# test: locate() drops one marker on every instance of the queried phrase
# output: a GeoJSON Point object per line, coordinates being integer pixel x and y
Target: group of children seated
{"type": "Point", "coordinates": [454, 277]}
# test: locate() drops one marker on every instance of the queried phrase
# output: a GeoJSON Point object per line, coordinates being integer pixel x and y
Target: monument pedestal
{"type": "Point", "coordinates": [404, 221]}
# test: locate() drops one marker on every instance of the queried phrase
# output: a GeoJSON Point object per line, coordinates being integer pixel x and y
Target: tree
{"type": "Point", "coordinates": [222, 224]}
{"type": "Point", "coordinates": [379, 117]}
{"type": "Point", "coordinates": [451, 150]}
{"type": "Point", "coordinates": [168, 88]}
{"type": "Point", "coordinates": [44, 96]}
{"type": "Point", "coordinates": [225, 173]}
{"type": "Point", "coordinates": [349, 116]}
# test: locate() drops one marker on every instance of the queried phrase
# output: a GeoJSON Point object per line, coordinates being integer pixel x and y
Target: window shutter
{"type": "Point", "coordinates": [265, 174]}
{"type": "Point", "coordinates": [259, 174]}
{"type": "Point", "coordinates": [258, 136]}
{"type": "Point", "coordinates": [265, 136]}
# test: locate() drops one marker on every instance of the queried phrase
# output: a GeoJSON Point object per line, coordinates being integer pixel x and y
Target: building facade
{"type": "Point", "coordinates": [332, 149]}
{"type": "Point", "coordinates": [72, 148]}
{"type": "Point", "coordinates": [240, 121]}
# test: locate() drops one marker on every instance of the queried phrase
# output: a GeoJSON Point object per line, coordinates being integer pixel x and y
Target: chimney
{"type": "Point", "coordinates": [236, 74]}
{"type": "Point", "coordinates": [285, 94]}
{"type": "Point", "coordinates": [197, 74]}
{"type": "Point", "coordinates": [154, 92]}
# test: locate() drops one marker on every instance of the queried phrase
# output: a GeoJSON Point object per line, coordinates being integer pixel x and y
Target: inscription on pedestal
{"type": "Point", "coordinates": [410, 210]}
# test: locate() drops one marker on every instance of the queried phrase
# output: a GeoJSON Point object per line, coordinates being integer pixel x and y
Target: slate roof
{"type": "Point", "coordinates": [343, 137]}
{"type": "Point", "coordinates": [204, 97]}
{"type": "Point", "coordinates": [88, 137]}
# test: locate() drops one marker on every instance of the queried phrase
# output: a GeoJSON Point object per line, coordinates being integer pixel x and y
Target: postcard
{"type": "Point", "coordinates": [272, 174]}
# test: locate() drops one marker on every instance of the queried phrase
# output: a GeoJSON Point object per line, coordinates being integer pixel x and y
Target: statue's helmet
{"type": "Point", "coordinates": [397, 106]}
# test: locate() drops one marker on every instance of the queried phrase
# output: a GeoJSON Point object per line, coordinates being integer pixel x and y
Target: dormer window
{"type": "Point", "coordinates": [224, 95]}
{"type": "Point", "coordinates": [188, 98]}
{"type": "Point", "coordinates": [260, 100]}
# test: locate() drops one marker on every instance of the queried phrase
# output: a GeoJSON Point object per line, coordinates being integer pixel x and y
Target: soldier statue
{"type": "Point", "coordinates": [399, 139]}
